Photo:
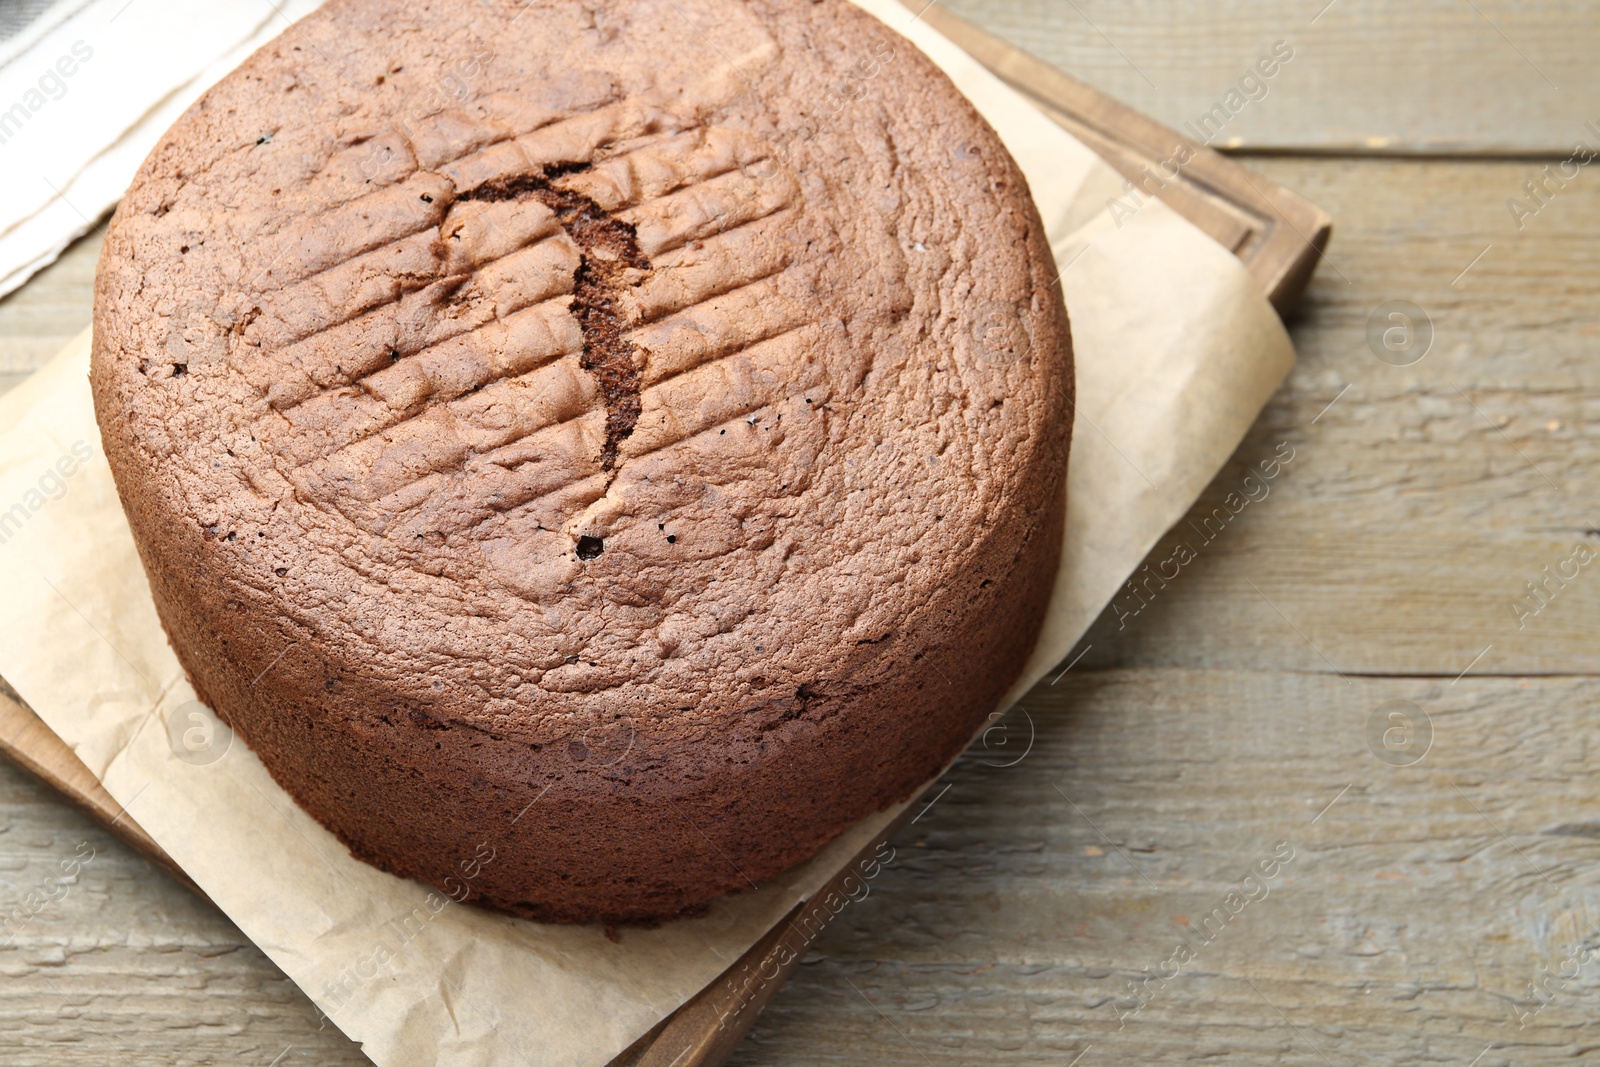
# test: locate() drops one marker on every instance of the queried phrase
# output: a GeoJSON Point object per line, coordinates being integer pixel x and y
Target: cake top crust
{"type": "Point", "coordinates": [559, 365]}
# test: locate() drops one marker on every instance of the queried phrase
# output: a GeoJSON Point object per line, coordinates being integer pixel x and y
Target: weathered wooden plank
{"type": "Point", "coordinates": [1400, 537]}
{"type": "Point", "coordinates": [1367, 75]}
{"type": "Point", "coordinates": [1406, 928]}
{"type": "Point", "coordinates": [1275, 232]}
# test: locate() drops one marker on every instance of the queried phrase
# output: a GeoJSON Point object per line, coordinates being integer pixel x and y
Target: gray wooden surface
{"type": "Point", "coordinates": [1432, 76]}
{"type": "Point", "coordinates": [1232, 713]}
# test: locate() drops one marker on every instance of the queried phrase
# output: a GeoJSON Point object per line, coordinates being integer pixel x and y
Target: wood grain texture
{"type": "Point", "coordinates": [1406, 928]}
{"type": "Point", "coordinates": [1420, 503]}
{"type": "Point", "coordinates": [1436, 76]}
{"type": "Point", "coordinates": [1278, 234]}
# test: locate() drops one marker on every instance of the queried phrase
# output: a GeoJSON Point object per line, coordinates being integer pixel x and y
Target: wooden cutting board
{"type": "Point", "coordinates": [1278, 235]}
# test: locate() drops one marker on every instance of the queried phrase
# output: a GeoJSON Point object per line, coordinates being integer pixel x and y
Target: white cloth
{"type": "Point", "coordinates": [87, 87]}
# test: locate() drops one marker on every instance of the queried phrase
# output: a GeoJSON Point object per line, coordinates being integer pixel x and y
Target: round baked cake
{"type": "Point", "coordinates": [624, 438]}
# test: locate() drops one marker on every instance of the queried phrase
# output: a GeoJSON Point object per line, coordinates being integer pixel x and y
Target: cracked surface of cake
{"type": "Point", "coordinates": [629, 436]}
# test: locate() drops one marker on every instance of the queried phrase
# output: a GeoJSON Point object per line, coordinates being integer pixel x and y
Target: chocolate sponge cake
{"type": "Point", "coordinates": [625, 439]}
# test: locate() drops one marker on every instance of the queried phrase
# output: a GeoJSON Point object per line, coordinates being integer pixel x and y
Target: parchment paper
{"type": "Point", "coordinates": [1177, 351]}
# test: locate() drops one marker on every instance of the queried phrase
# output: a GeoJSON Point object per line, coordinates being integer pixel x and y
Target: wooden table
{"type": "Point", "coordinates": [1245, 705]}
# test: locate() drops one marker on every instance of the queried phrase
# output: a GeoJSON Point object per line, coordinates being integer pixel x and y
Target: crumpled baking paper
{"type": "Point", "coordinates": [1177, 350]}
